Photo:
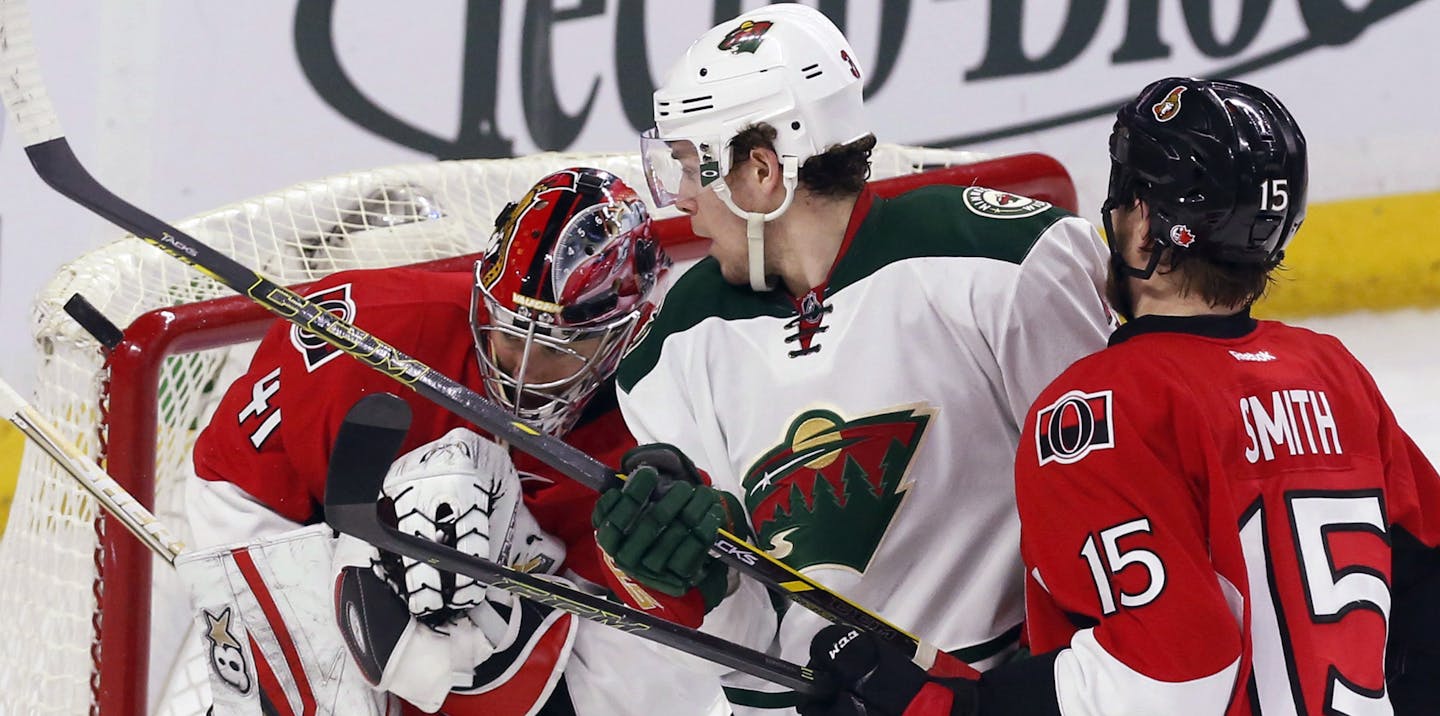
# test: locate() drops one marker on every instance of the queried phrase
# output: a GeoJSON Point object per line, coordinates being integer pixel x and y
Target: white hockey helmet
{"type": "Point", "coordinates": [785, 65]}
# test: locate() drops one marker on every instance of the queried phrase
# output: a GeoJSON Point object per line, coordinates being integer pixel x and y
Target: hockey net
{"type": "Point", "coordinates": [94, 623]}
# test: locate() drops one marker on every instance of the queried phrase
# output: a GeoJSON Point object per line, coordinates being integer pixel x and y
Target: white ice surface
{"type": "Point", "coordinates": [1402, 351]}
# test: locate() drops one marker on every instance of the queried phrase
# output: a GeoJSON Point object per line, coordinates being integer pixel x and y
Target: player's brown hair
{"type": "Point", "coordinates": [1220, 283]}
{"type": "Point", "coordinates": [841, 170]}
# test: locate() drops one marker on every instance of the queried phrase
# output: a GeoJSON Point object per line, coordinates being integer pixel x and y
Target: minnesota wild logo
{"type": "Point", "coordinates": [745, 38]}
{"type": "Point", "coordinates": [827, 494]}
{"type": "Point", "coordinates": [998, 204]}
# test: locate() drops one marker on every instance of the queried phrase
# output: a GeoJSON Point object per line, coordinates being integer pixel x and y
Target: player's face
{"type": "Point", "coordinates": [544, 364]}
{"type": "Point", "coordinates": [1129, 223]}
{"type": "Point", "coordinates": [711, 218]}
{"type": "Point", "coordinates": [689, 159]}
{"type": "Point", "coordinates": [726, 231]}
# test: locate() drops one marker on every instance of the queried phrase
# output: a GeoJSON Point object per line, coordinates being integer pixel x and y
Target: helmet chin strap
{"type": "Point", "coordinates": [755, 221]}
{"type": "Point", "coordinates": [1122, 268]}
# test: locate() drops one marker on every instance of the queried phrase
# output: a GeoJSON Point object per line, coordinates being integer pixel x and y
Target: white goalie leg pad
{"type": "Point", "coordinates": [266, 614]}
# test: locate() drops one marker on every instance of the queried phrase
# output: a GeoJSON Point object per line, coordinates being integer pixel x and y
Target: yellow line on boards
{"type": "Point", "coordinates": [12, 447]}
{"type": "Point", "coordinates": [1380, 254]}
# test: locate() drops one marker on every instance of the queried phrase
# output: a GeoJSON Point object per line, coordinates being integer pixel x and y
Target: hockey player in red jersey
{"type": "Point", "coordinates": [1219, 515]}
{"type": "Point", "coordinates": [539, 328]}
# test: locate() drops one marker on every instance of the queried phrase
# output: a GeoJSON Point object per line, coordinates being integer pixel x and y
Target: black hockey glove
{"type": "Point", "coordinates": [659, 526]}
{"type": "Point", "coordinates": [875, 679]}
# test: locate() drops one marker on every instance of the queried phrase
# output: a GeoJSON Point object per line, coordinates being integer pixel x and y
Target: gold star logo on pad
{"type": "Point", "coordinates": [219, 629]}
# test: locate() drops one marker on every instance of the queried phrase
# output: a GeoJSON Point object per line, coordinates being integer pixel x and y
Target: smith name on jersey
{"type": "Point", "coordinates": [870, 425]}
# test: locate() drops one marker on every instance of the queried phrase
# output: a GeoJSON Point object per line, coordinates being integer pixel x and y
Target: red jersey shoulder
{"type": "Point", "coordinates": [273, 429]}
{"type": "Point", "coordinates": [1276, 387]}
{"type": "Point", "coordinates": [1082, 412]}
{"type": "Point", "coordinates": [402, 307]}
{"type": "Point", "coordinates": [1074, 416]}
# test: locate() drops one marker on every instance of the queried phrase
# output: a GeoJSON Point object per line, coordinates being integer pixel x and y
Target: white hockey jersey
{"type": "Point", "coordinates": [870, 426]}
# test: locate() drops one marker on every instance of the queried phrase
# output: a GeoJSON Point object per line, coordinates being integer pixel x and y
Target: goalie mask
{"type": "Point", "coordinates": [560, 294]}
{"type": "Point", "coordinates": [785, 65]}
{"type": "Point", "coordinates": [1221, 165]}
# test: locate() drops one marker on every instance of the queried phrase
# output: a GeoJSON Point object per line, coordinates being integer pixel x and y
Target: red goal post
{"type": "Point", "coordinates": [114, 624]}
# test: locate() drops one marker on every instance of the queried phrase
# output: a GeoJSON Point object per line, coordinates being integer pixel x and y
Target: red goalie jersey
{"type": "Point", "coordinates": [272, 433]}
{"type": "Point", "coordinates": [1216, 513]}
{"type": "Point", "coordinates": [274, 429]}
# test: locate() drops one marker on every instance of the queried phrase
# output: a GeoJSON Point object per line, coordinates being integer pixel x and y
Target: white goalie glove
{"type": "Point", "coordinates": [462, 491]}
{"type": "Point", "coordinates": [506, 646]}
{"type": "Point", "coordinates": [428, 636]}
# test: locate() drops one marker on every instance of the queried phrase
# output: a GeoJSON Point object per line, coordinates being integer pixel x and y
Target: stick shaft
{"type": "Point", "coordinates": [586, 606]}
{"type": "Point", "coordinates": [368, 441]}
{"type": "Point", "coordinates": [111, 496]}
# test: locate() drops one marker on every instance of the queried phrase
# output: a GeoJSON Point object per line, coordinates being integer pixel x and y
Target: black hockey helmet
{"type": "Point", "coordinates": [1220, 164]}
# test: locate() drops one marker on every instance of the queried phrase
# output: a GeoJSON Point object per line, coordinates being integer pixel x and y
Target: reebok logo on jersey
{"type": "Point", "coordinates": [1070, 428]}
{"type": "Point", "coordinates": [1256, 357]}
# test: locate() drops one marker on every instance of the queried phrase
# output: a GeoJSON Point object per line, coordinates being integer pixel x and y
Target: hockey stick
{"type": "Point", "coordinates": [109, 493]}
{"type": "Point", "coordinates": [49, 152]}
{"type": "Point", "coordinates": [368, 442]}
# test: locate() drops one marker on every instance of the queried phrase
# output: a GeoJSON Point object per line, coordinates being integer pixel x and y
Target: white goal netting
{"type": "Point", "coordinates": [48, 585]}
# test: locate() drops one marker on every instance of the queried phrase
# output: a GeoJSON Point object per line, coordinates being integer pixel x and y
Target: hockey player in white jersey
{"type": "Point", "coordinates": [854, 370]}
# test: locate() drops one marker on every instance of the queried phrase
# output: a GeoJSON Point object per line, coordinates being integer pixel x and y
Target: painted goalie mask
{"type": "Point", "coordinates": [561, 293]}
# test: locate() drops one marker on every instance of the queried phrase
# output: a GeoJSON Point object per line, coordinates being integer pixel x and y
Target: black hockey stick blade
{"type": "Point", "coordinates": [93, 321]}
{"type": "Point", "coordinates": [369, 440]}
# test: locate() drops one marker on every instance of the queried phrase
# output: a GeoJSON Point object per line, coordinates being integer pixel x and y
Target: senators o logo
{"type": "Point", "coordinates": [1070, 428]}
{"type": "Point", "coordinates": [316, 350]}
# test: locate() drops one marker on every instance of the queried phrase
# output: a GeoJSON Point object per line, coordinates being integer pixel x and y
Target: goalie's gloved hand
{"type": "Point", "coordinates": [479, 650]}
{"type": "Point", "coordinates": [658, 527]}
{"type": "Point", "coordinates": [461, 490]}
{"type": "Point", "coordinates": [876, 679]}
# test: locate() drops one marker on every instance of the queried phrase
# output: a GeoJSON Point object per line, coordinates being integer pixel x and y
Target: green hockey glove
{"type": "Point", "coordinates": [658, 527]}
